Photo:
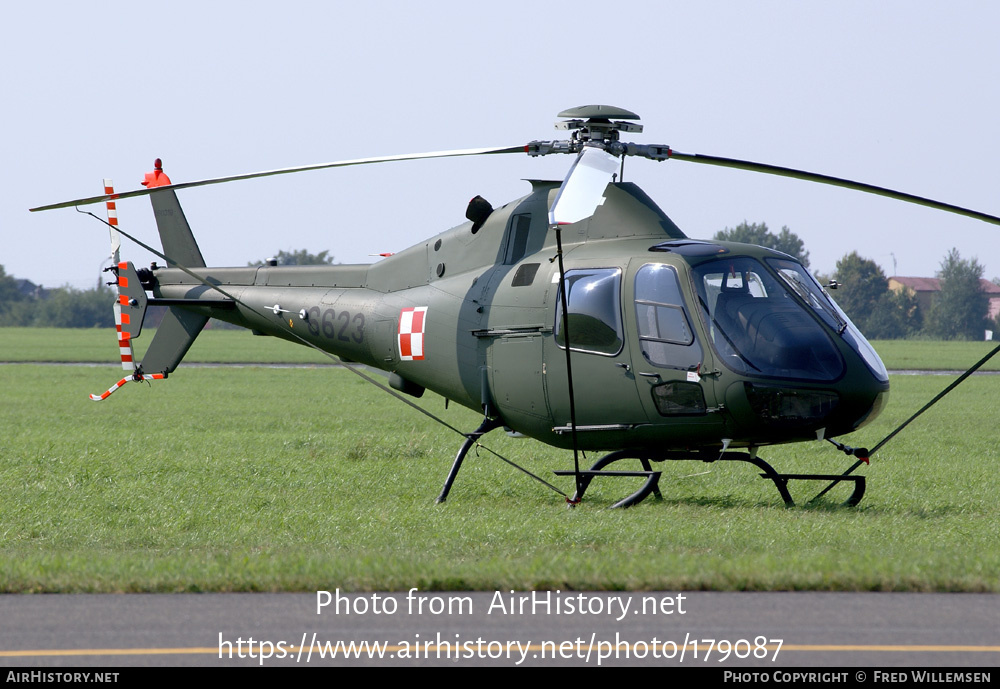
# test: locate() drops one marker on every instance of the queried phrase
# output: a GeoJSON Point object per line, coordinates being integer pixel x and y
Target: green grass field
{"type": "Point", "coordinates": [258, 479]}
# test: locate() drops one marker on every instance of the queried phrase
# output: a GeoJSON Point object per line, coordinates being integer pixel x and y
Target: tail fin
{"type": "Point", "coordinates": [179, 328]}
{"type": "Point", "coordinates": [179, 245]}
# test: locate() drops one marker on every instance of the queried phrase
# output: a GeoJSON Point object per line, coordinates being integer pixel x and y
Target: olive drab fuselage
{"type": "Point", "coordinates": [659, 360]}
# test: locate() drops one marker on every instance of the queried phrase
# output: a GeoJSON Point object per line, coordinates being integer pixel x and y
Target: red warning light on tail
{"type": "Point", "coordinates": [156, 178]}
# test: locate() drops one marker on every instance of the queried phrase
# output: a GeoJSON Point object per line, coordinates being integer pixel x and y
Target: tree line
{"type": "Point", "coordinates": [959, 311]}
{"type": "Point", "coordinates": [62, 307]}
{"type": "Point", "coordinates": [68, 307]}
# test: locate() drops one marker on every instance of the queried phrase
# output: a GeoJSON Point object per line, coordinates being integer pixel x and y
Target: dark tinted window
{"type": "Point", "coordinates": [678, 398]}
{"type": "Point", "coordinates": [525, 275]}
{"type": "Point", "coordinates": [517, 238]}
{"type": "Point", "coordinates": [595, 322]}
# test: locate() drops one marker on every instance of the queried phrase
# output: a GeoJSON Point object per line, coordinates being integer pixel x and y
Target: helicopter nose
{"type": "Point", "coordinates": [876, 407]}
{"type": "Point", "coordinates": [778, 410]}
{"type": "Point", "coordinates": [779, 405]}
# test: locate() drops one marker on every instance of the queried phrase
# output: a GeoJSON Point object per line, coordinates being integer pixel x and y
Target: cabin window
{"type": "Point", "coordinates": [665, 334]}
{"type": "Point", "coordinates": [524, 275]}
{"type": "Point", "coordinates": [517, 238]}
{"type": "Point", "coordinates": [595, 321]}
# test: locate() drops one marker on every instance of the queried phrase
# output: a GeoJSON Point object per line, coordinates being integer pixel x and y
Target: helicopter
{"type": "Point", "coordinates": [579, 315]}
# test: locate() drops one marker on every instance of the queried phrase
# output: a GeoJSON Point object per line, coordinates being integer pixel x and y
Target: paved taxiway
{"type": "Point", "coordinates": [815, 629]}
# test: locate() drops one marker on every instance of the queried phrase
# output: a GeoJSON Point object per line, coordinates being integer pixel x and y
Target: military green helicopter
{"type": "Point", "coordinates": [579, 315]}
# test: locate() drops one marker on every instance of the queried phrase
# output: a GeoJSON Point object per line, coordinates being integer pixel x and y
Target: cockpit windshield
{"type": "Point", "coordinates": [758, 327]}
{"type": "Point", "coordinates": [811, 293]}
{"type": "Point", "coordinates": [803, 284]}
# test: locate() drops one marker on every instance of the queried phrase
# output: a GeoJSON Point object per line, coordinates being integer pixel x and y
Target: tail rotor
{"type": "Point", "coordinates": [129, 306]}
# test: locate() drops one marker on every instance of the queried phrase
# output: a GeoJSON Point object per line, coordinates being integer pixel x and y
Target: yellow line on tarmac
{"type": "Point", "coordinates": [293, 651]}
{"type": "Point", "coordinates": [894, 648]}
{"type": "Point", "coordinates": [107, 652]}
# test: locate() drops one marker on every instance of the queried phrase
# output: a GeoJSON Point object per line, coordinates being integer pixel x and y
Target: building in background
{"type": "Point", "coordinates": [925, 288]}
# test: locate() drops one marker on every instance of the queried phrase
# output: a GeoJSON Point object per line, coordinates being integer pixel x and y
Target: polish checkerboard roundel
{"type": "Point", "coordinates": [411, 333]}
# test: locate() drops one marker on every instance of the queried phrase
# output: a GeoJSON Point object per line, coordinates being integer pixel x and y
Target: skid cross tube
{"type": "Point", "coordinates": [652, 484]}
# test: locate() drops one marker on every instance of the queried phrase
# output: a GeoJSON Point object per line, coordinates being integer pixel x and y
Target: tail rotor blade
{"type": "Point", "coordinates": [116, 240]}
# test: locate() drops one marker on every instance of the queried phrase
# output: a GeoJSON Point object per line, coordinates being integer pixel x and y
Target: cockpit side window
{"type": "Point", "coordinates": [595, 321]}
{"type": "Point", "coordinates": [665, 334]}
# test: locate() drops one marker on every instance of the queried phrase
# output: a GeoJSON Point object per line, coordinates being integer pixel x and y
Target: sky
{"type": "Point", "coordinates": [903, 95]}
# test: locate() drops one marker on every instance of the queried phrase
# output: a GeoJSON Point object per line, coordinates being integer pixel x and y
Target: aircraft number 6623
{"type": "Point", "coordinates": [337, 326]}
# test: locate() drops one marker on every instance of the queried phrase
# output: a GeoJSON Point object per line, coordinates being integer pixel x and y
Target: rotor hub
{"type": "Point", "coordinates": [594, 123]}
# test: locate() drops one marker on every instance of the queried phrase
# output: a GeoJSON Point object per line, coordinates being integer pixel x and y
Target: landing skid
{"type": "Point", "coordinates": [651, 486]}
{"type": "Point", "coordinates": [781, 480]}
{"type": "Point", "coordinates": [470, 440]}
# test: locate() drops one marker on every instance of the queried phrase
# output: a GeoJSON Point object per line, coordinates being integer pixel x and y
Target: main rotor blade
{"type": "Point", "coordinates": [835, 181]}
{"type": "Point", "coordinates": [284, 171]}
{"type": "Point", "coordinates": [583, 189]}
